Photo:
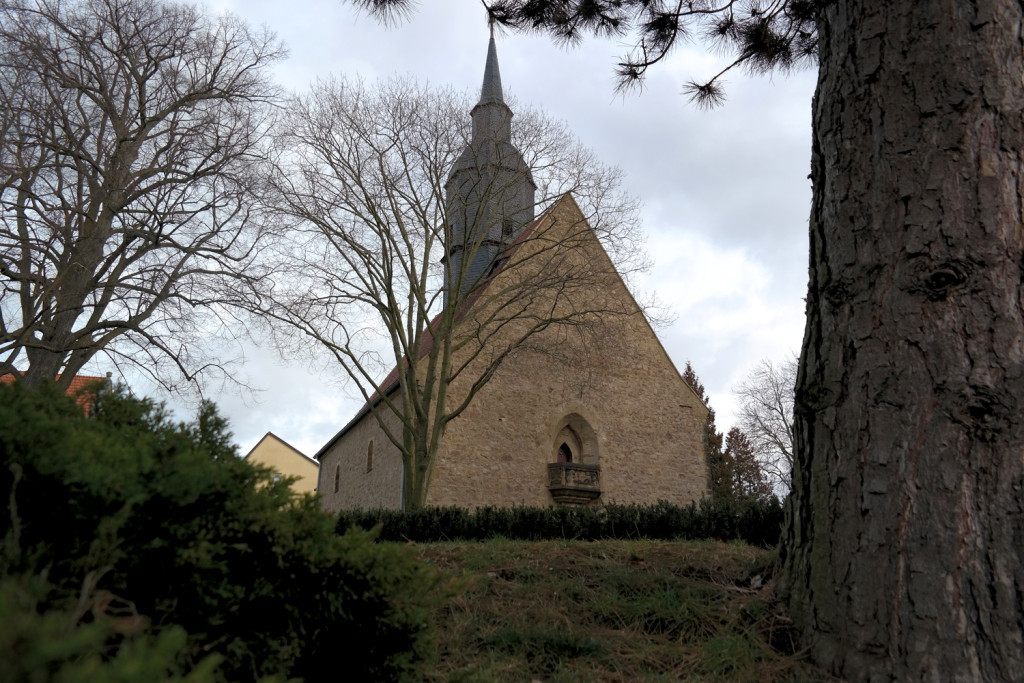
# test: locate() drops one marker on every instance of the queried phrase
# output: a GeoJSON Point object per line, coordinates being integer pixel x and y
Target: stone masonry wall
{"type": "Point", "coordinates": [381, 486]}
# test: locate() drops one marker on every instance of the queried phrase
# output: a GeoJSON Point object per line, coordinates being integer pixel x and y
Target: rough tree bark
{"type": "Point", "coordinates": [902, 559]}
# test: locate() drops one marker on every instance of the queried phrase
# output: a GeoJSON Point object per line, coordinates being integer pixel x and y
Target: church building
{"type": "Point", "coordinates": [582, 415]}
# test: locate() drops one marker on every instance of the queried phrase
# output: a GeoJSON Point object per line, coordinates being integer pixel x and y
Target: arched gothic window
{"type": "Point", "coordinates": [575, 441]}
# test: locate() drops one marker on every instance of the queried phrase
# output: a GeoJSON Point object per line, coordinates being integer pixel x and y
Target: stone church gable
{"type": "Point", "coordinates": [588, 412]}
{"type": "Point", "coordinates": [620, 404]}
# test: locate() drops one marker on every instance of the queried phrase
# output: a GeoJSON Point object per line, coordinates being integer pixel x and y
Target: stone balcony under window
{"type": "Point", "coordinates": [574, 483]}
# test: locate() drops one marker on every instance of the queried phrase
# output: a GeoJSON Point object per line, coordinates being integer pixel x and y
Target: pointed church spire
{"type": "Point", "coordinates": [491, 90]}
{"type": "Point", "coordinates": [490, 192]}
{"type": "Point", "coordinates": [492, 119]}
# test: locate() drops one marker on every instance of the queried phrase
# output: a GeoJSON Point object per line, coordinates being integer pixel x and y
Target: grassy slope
{"type": "Point", "coordinates": [611, 611]}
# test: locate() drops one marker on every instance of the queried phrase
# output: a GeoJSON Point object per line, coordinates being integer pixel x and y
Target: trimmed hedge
{"type": "Point", "coordinates": [756, 522]}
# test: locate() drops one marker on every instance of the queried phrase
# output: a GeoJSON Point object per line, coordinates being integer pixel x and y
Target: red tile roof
{"type": "Point", "coordinates": [79, 382]}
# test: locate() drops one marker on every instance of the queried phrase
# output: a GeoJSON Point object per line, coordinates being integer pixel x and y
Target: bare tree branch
{"type": "Point", "coordinates": [134, 132]}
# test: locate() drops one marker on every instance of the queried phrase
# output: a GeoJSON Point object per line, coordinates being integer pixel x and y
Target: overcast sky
{"type": "Point", "coordinates": [725, 193]}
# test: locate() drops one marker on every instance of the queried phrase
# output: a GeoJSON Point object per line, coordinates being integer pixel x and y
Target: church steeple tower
{"type": "Point", "coordinates": [490, 192]}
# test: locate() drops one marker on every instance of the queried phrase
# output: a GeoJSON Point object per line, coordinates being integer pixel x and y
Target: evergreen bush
{"type": "Point", "coordinates": [757, 522]}
{"type": "Point", "coordinates": [162, 523]}
{"type": "Point", "coordinates": [57, 645]}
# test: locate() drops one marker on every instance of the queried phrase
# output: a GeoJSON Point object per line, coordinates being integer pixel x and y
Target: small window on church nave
{"type": "Point", "coordinates": [369, 456]}
{"type": "Point", "coordinates": [337, 478]}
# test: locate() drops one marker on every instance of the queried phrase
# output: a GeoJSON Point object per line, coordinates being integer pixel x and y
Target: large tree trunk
{"type": "Point", "coordinates": [905, 534]}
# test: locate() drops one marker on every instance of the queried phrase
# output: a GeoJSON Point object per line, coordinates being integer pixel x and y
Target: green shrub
{"type": "Point", "coordinates": [166, 518]}
{"type": "Point", "coordinates": [57, 646]}
{"type": "Point", "coordinates": [756, 522]}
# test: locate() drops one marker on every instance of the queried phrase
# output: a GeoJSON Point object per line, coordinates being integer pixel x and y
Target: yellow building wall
{"type": "Point", "coordinates": [278, 455]}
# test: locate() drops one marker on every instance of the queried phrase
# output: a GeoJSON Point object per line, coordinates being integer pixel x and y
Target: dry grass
{"type": "Point", "coordinates": [611, 611]}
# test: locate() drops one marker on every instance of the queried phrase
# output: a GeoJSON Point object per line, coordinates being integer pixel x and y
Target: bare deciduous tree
{"type": "Point", "coordinates": [364, 273]}
{"type": "Point", "coordinates": [766, 417]}
{"type": "Point", "coordinates": [132, 134]}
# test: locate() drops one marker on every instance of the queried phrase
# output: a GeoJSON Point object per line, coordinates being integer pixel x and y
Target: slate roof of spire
{"type": "Point", "coordinates": [491, 89]}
